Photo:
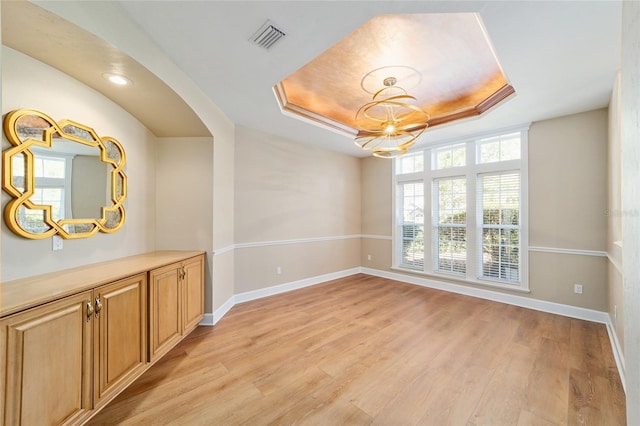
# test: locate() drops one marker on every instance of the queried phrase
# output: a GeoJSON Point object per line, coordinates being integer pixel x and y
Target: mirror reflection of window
{"type": "Point", "coordinates": [71, 179]}
{"type": "Point", "coordinates": [17, 166]}
{"type": "Point", "coordinates": [44, 155]}
{"type": "Point", "coordinates": [52, 175]}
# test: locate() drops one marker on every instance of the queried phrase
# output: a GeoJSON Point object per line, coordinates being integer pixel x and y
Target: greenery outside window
{"type": "Point", "coordinates": [412, 224]}
{"type": "Point", "coordinates": [450, 225]}
{"type": "Point", "coordinates": [472, 194]}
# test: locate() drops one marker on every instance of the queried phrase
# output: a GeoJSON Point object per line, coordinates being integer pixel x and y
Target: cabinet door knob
{"type": "Point", "coordinates": [89, 310]}
{"type": "Point", "coordinates": [98, 307]}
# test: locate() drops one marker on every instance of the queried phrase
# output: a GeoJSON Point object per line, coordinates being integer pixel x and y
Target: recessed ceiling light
{"type": "Point", "coordinates": [117, 79]}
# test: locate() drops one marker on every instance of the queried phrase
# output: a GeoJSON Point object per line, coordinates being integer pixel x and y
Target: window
{"type": "Point", "coordinates": [410, 163]}
{"type": "Point", "coordinates": [449, 156]}
{"type": "Point", "coordinates": [499, 148]}
{"type": "Point", "coordinates": [49, 173]}
{"type": "Point", "coordinates": [472, 194]}
{"type": "Point", "coordinates": [52, 179]}
{"type": "Point", "coordinates": [499, 199]}
{"type": "Point", "coordinates": [449, 228]}
{"type": "Point", "coordinates": [412, 224]}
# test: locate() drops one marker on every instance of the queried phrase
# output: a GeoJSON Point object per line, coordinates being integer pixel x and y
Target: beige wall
{"type": "Point", "coordinates": [567, 203]}
{"type": "Point", "coordinates": [27, 83]}
{"type": "Point", "coordinates": [288, 191]}
{"type": "Point", "coordinates": [256, 266]}
{"type": "Point", "coordinates": [90, 186]}
{"type": "Point", "coordinates": [171, 183]}
{"type": "Point", "coordinates": [567, 208]}
{"type": "Point", "coordinates": [223, 272]}
{"type": "Point", "coordinates": [615, 297]}
{"type": "Point", "coordinates": [184, 199]}
{"type": "Point", "coordinates": [567, 181]}
{"type": "Point", "coordinates": [377, 212]}
{"type": "Point", "coordinates": [116, 27]}
{"type": "Point", "coordinates": [630, 137]}
{"type": "Point", "coordinates": [615, 306]}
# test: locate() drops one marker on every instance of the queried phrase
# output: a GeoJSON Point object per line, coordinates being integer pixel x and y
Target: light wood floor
{"type": "Point", "coordinates": [365, 350]}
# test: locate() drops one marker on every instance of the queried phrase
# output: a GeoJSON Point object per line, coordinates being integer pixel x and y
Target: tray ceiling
{"type": "Point", "coordinates": [445, 60]}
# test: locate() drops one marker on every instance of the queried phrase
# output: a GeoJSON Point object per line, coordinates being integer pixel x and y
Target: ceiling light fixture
{"type": "Point", "coordinates": [117, 79]}
{"type": "Point", "coordinates": [389, 125]}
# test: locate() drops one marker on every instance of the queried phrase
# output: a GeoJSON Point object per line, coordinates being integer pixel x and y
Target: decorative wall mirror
{"type": "Point", "coordinates": [63, 177]}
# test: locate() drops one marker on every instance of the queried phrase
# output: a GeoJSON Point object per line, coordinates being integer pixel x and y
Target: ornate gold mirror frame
{"type": "Point", "coordinates": [32, 132]}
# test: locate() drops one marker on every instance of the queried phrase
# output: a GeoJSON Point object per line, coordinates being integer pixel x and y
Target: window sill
{"type": "Point", "coordinates": [458, 280]}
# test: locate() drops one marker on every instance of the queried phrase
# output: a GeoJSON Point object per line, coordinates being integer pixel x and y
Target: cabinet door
{"type": "Point", "coordinates": [165, 317]}
{"type": "Point", "coordinates": [120, 336]}
{"type": "Point", "coordinates": [46, 353]}
{"type": "Point", "coordinates": [193, 293]}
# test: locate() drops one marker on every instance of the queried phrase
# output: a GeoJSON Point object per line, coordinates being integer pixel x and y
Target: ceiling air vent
{"type": "Point", "coordinates": [267, 35]}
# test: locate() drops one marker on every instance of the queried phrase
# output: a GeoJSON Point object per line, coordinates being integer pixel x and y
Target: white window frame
{"type": "Point", "coordinates": [63, 183]}
{"type": "Point", "coordinates": [398, 229]}
{"type": "Point", "coordinates": [436, 225]}
{"type": "Point", "coordinates": [471, 171]}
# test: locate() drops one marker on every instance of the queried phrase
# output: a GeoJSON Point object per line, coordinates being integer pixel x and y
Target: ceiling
{"type": "Point", "coordinates": [561, 57]}
{"type": "Point", "coordinates": [444, 60]}
{"type": "Point", "coordinates": [50, 39]}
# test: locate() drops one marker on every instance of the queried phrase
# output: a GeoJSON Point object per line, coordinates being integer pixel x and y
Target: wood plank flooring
{"type": "Point", "coordinates": [365, 350]}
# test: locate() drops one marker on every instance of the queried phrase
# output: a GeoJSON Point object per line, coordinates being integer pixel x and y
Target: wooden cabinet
{"type": "Point", "coordinates": [164, 310]}
{"type": "Point", "coordinates": [192, 293]}
{"type": "Point", "coordinates": [64, 358]}
{"type": "Point", "coordinates": [176, 303]}
{"type": "Point", "coordinates": [54, 351]}
{"type": "Point", "coordinates": [120, 335]}
{"type": "Point", "coordinates": [48, 363]}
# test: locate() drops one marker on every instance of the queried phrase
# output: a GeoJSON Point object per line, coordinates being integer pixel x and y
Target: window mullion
{"type": "Point", "coordinates": [428, 212]}
{"type": "Point", "coordinates": [473, 160]}
{"type": "Point", "coordinates": [472, 226]}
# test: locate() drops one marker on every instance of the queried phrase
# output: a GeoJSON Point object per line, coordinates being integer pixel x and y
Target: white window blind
{"type": "Point", "coordinates": [412, 224]}
{"type": "Point", "coordinates": [450, 225]}
{"type": "Point", "coordinates": [498, 197]}
{"type": "Point", "coordinates": [461, 210]}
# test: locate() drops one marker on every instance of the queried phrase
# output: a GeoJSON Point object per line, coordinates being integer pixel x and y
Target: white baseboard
{"type": "Point", "coordinates": [618, 355]}
{"type": "Point", "coordinates": [207, 320]}
{"type": "Point", "coordinates": [525, 302]}
{"type": "Point", "coordinates": [212, 319]}
{"type": "Point", "coordinates": [222, 310]}
{"type": "Point", "coordinates": [512, 299]}
{"type": "Point", "coordinates": [294, 285]}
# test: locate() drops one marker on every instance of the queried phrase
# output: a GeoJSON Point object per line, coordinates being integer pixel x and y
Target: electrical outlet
{"type": "Point", "coordinates": [278, 270]}
{"type": "Point", "coordinates": [577, 288]}
{"type": "Point", "coordinates": [56, 242]}
{"type": "Point", "coordinates": [369, 257]}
